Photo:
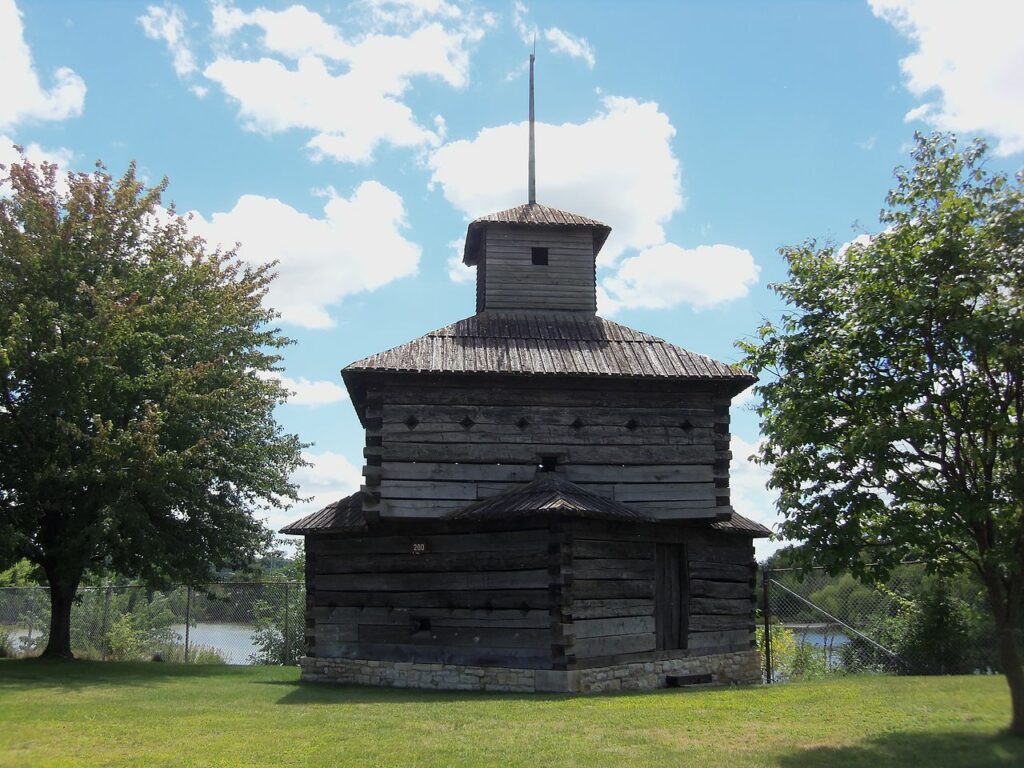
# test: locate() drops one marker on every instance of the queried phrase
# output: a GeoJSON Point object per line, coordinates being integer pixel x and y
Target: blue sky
{"type": "Point", "coordinates": [353, 142]}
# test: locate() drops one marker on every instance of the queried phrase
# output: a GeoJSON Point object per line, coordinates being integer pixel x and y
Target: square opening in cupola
{"type": "Point", "coordinates": [540, 256]}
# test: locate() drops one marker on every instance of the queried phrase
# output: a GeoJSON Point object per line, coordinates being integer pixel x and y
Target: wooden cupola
{"type": "Point", "coordinates": [532, 257]}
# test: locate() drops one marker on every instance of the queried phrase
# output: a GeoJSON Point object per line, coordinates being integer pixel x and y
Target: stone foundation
{"type": "Point", "coordinates": [738, 667]}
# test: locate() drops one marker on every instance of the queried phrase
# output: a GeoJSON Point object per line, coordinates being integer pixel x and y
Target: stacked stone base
{"type": "Point", "coordinates": [738, 667]}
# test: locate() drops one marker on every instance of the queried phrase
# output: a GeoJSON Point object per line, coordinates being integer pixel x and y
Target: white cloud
{"type": "Point", "coordinates": [310, 393]}
{"type": "Point", "coordinates": [357, 245]}
{"type": "Point", "coordinates": [749, 493]}
{"type": "Point", "coordinates": [167, 23]}
{"type": "Point", "coordinates": [618, 167]}
{"type": "Point", "coordinates": [22, 97]}
{"type": "Point", "coordinates": [457, 271]}
{"type": "Point", "coordinates": [348, 91]}
{"type": "Point", "coordinates": [329, 477]}
{"type": "Point", "coordinates": [570, 45]}
{"type": "Point", "coordinates": [559, 41]}
{"type": "Point", "coordinates": [666, 276]}
{"type": "Point", "coordinates": [969, 60]}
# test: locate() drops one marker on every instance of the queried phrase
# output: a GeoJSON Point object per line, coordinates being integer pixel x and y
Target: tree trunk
{"type": "Point", "coordinates": [1008, 633]}
{"type": "Point", "coordinates": [62, 596]}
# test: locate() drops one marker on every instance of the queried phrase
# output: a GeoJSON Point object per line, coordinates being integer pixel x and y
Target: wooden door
{"type": "Point", "coordinates": [671, 596]}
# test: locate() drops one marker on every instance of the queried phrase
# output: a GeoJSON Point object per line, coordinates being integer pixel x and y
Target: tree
{"type": "Point", "coordinates": [893, 418]}
{"type": "Point", "coordinates": [136, 414]}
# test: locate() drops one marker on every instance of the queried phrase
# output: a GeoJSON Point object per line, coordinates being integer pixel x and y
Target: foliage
{"type": "Point", "coordinates": [793, 658]}
{"type": "Point", "coordinates": [164, 715]}
{"type": "Point", "coordinates": [21, 574]}
{"type": "Point", "coordinates": [894, 424]}
{"type": "Point", "coordinates": [136, 418]}
{"type": "Point", "coordinates": [280, 631]}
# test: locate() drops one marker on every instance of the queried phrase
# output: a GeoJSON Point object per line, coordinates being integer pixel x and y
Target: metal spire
{"type": "Point", "coordinates": [533, 150]}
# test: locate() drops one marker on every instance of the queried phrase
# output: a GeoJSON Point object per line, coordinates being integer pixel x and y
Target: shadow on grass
{"type": "Point", "coordinates": [948, 750]}
{"type": "Point", "coordinates": [305, 693]}
{"type": "Point", "coordinates": [33, 674]}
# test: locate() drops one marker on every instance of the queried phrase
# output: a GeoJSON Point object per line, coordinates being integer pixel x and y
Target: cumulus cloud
{"type": "Point", "coordinates": [330, 476]}
{"type": "Point", "coordinates": [356, 245]}
{"type": "Point", "coordinates": [347, 91]}
{"type": "Point", "coordinates": [667, 275]}
{"type": "Point", "coordinates": [167, 23]}
{"type": "Point", "coordinates": [310, 393]}
{"type": "Point", "coordinates": [570, 45]}
{"type": "Point", "coordinates": [22, 97]}
{"type": "Point", "coordinates": [618, 167]}
{"type": "Point", "coordinates": [749, 493]}
{"type": "Point", "coordinates": [968, 61]}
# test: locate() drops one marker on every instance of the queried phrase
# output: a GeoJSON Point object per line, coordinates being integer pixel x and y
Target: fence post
{"type": "Point", "coordinates": [287, 642]}
{"type": "Point", "coordinates": [188, 618]}
{"type": "Point", "coordinates": [767, 627]}
{"type": "Point", "coordinates": [104, 643]}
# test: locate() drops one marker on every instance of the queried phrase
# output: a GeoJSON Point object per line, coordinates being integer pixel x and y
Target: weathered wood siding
{"type": "Point", "coordinates": [436, 444]}
{"type": "Point", "coordinates": [480, 598]}
{"type": "Point", "coordinates": [612, 615]}
{"type": "Point", "coordinates": [508, 279]}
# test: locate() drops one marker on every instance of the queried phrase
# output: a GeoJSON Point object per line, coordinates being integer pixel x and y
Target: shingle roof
{"type": "Point", "coordinates": [739, 524]}
{"type": "Point", "coordinates": [531, 214]}
{"type": "Point", "coordinates": [537, 344]}
{"type": "Point", "coordinates": [343, 515]}
{"type": "Point", "coordinates": [549, 494]}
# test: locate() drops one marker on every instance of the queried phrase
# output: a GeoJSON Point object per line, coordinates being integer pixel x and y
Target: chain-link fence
{"type": "Point", "coordinates": [813, 624]}
{"type": "Point", "coordinates": [222, 623]}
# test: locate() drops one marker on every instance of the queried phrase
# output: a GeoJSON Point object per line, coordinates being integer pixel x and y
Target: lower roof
{"type": "Point", "coordinates": [550, 495]}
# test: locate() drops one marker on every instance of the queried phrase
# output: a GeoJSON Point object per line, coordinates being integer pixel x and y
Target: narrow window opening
{"type": "Point", "coordinates": [540, 257]}
{"type": "Point", "coordinates": [548, 463]}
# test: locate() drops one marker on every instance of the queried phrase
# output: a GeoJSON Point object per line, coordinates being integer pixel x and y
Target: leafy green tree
{"type": "Point", "coordinates": [136, 420]}
{"type": "Point", "coordinates": [894, 414]}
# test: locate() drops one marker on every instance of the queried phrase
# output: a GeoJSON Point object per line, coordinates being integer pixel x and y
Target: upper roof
{"type": "Point", "coordinates": [530, 214]}
{"type": "Point", "coordinates": [549, 494]}
{"type": "Point", "coordinates": [548, 344]}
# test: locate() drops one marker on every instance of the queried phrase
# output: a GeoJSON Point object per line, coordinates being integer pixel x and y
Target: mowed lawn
{"type": "Point", "coordinates": [109, 714]}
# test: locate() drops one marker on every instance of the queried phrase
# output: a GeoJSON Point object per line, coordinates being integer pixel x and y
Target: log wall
{"type": "Point", "coordinates": [469, 598]}
{"type": "Point", "coordinates": [612, 615]}
{"type": "Point", "coordinates": [436, 444]}
{"type": "Point", "coordinates": [553, 594]}
{"type": "Point", "coordinates": [508, 279]}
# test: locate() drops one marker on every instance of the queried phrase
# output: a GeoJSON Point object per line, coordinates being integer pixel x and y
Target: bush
{"type": "Point", "coordinates": [792, 658]}
{"type": "Point", "coordinates": [274, 645]}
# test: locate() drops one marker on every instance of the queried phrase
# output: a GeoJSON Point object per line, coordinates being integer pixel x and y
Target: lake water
{"type": "Point", "coordinates": [234, 641]}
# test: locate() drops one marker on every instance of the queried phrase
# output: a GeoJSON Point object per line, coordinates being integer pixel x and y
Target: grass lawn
{"type": "Point", "coordinates": [108, 714]}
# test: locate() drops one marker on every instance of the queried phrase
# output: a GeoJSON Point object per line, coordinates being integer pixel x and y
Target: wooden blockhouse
{"type": "Point", "coordinates": [545, 502]}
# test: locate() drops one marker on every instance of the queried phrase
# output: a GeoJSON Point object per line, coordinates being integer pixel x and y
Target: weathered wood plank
{"type": "Point", "coordinates": [497, 599]}
{"type": "Point", "coordinates": [715, 622]}
{"type": "Point", "coordinates": [720, 639]}
{"type": "Point", "coordinates": [421, 582]}
{"type": "Point", "coordinates": [727, 589]}
{"type": "Point", "coordinates": [455, 637]}
{"type": "Point", "coordinates": [590, 588]}
{"type": "Point", "coordinates": [614, 644]}
{"type": "Point", "coordinates": [522, 658]}
{"type": "Point", "coordinates": [439, 562]}
{"type": "Point", "coordinates": [601, 608]}
{"type": "Point", "coordinates": [598, 548]}
{"type": "Point", "coordinates": [609, 568]}
{"type": "Point", "coordinates": [721, 571]}
{"type": "Point", "coordinates": [442, 617]}
{"type": "Point", "coordinates": [625, 625]}
{"type": "Point", "coordinates": [534, 538]}
{"type": "Point", "coordinates": [718, 605]}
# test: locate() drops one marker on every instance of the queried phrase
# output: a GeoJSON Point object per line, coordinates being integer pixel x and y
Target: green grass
{"type": "Point", "coordinates": [107, 714]}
